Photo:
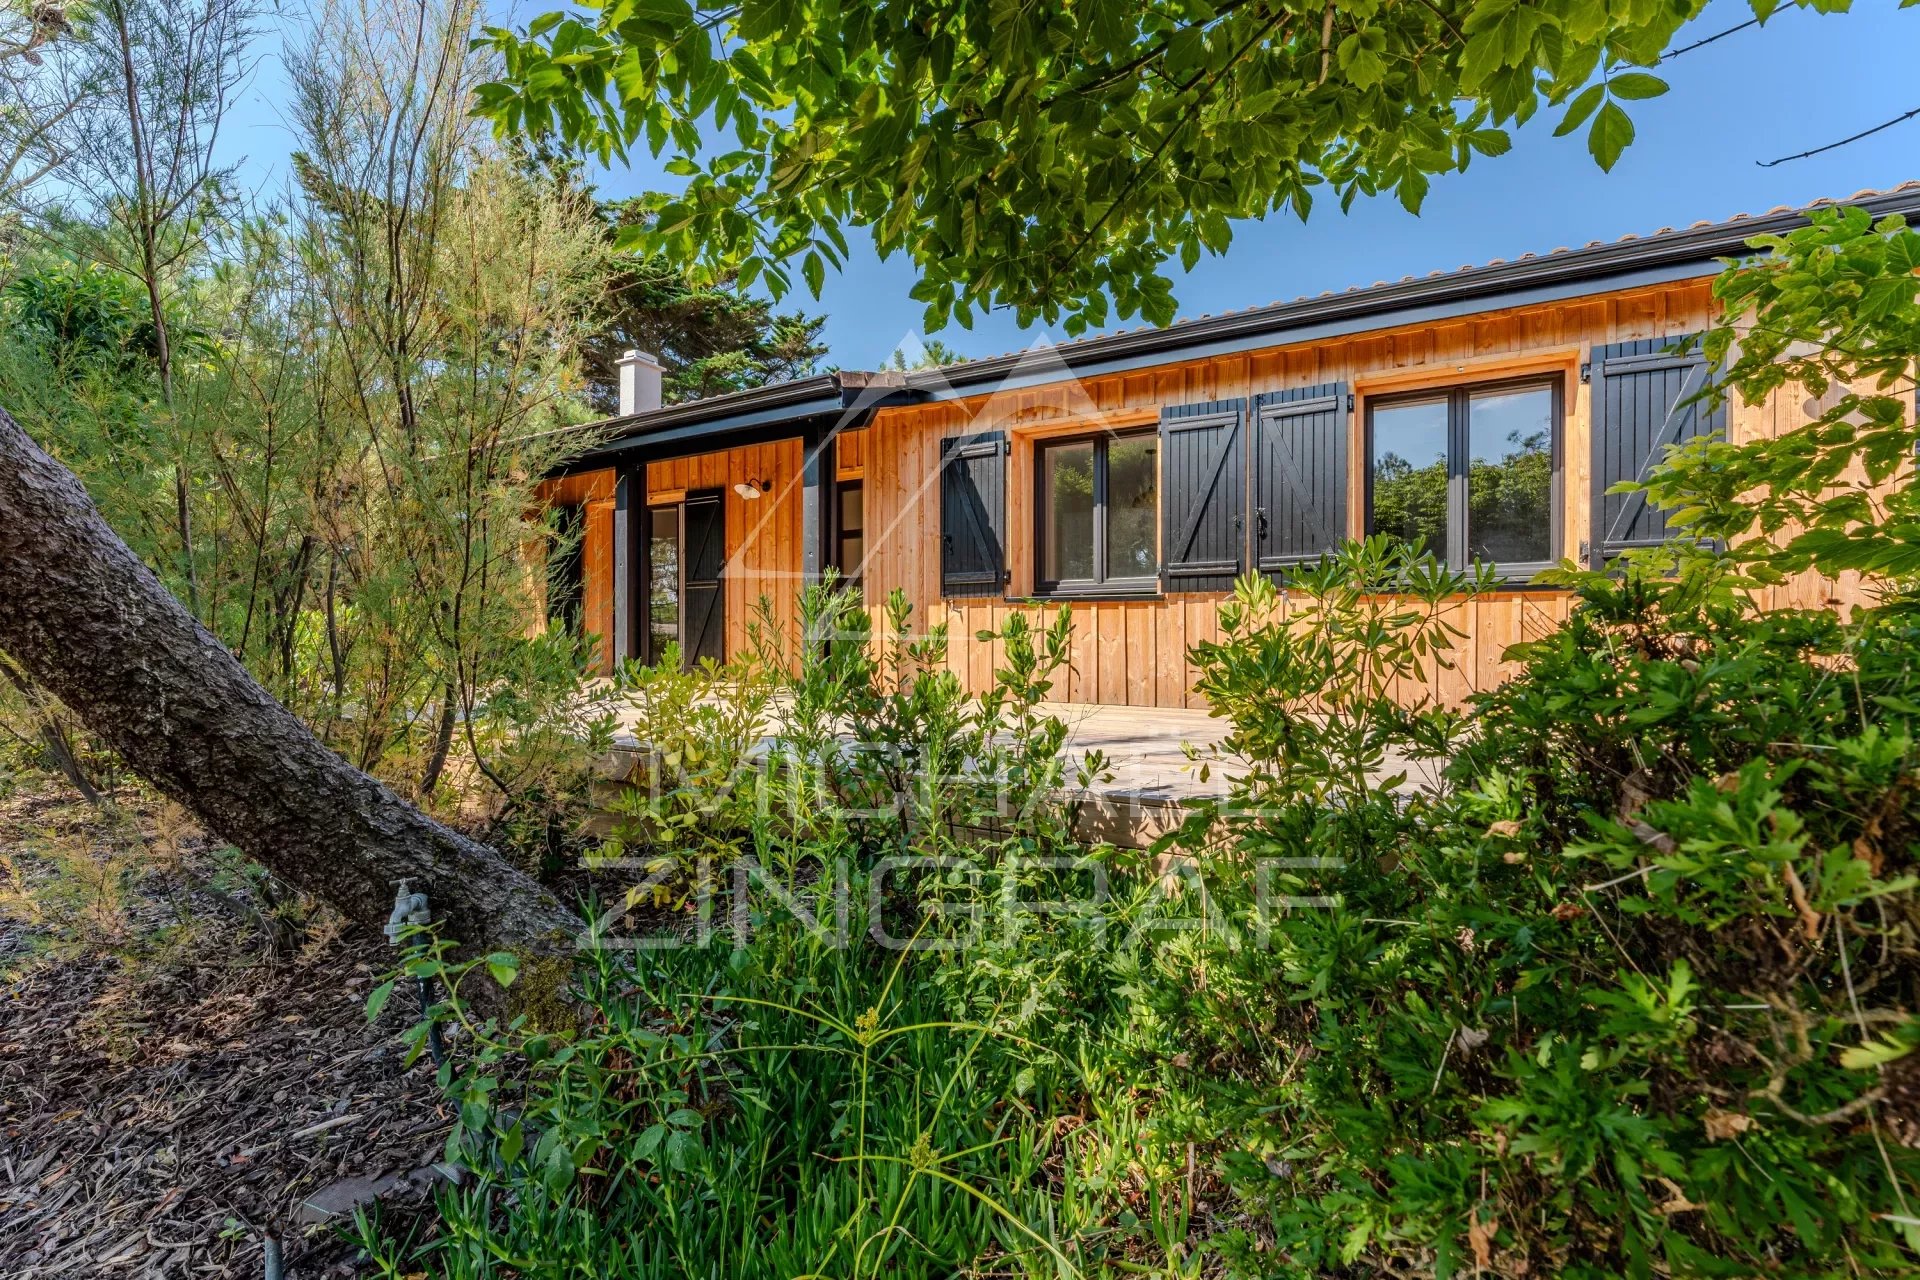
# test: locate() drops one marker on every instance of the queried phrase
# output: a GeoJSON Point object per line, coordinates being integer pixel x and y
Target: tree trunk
{"type": "Point", "coordinates": [87, 620]}
{"type": "Point", "coordinates": [442, 741]}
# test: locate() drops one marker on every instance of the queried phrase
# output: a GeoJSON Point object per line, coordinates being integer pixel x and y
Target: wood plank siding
{"type": "Point", "coordinates": [763, 534]}
{"type": "Point", "coordinates": [1134, 651]}
{"type": "Point", "coordinates": [593, 491]}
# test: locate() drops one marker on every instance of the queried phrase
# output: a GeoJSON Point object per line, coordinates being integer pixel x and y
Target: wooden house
{"type": "Point", "coordinates": [1487, 410]}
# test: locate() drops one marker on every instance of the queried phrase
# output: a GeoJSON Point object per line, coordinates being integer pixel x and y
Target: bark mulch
{"type": "Point", "coordinates": [169, 1102]}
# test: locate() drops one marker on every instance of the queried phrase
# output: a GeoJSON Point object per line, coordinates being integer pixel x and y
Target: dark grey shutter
{"type": "Point", "coordinates": [1300, 442]}
{"type": "Point", "coordinates": [1643, 400]}
{"type": "Point", "coordinates": [973, 514]}
{"type": "Point", "coordinates": [703, 593]}
{"type": "Point", "coordinates": [1202, 494]}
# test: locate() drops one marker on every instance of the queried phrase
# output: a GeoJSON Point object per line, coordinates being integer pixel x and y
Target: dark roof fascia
{"type": "Point", "coordinates": [638, 450]}
{"type": "Point", "coordinates": [785, 409]}
{"type": "Point", "coordinates": [1052, 366]}
{"type": "Point", "coordinates": [777, 412]}
{"type": "Point", "coordinates": [1619, 265]}
{"type": "Point", "coordinates": [798, 398]}
{"type": "Point", "coordinates": [680, 442]}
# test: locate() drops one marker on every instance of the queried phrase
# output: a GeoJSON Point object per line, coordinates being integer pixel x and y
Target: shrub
{"type": "Point", "coordinates": [1625, 987]}
{"type": "Point", "coordinates": [1629, 994]}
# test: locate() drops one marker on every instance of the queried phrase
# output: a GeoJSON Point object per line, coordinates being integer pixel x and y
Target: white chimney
{"type": "Point", "coordinates": [639, 383]}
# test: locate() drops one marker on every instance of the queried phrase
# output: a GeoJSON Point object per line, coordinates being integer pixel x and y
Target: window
{"type": "Point", "coordinates": [1099, 505]}
{"type": "Point", "coordinates": [565, 568]}
{"type": "Point", "coordinates": [663, 580]}
{"type": "Point", "coordinates": [1469, 473]}
{"type": "Point", "coordinates": [850, 532]}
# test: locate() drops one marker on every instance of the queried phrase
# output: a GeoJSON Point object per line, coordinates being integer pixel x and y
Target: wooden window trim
{"type": "Point", "coordinates": [1458, 394]}
{"type": "Point", "coordinates": [1099, 587]}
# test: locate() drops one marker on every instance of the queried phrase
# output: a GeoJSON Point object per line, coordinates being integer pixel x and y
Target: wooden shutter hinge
{"type": "Point", "coordinates": [1586, 371]}
{"type": "Point", "coordinates": [1349, 402]}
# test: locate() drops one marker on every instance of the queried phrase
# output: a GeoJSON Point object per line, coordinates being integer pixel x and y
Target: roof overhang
{"type": "Point", "coordinates": [779, 411]}
{"type": "Point", "coordinates": [1663, 258]}
{"type": "Point", "coordinates": [846, 399]}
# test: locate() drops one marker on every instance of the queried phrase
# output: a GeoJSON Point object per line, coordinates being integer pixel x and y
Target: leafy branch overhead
{"type": "Point", "coordinates": [1053, 159]}
{"type": "Point", "coordinates": [1828, 319]}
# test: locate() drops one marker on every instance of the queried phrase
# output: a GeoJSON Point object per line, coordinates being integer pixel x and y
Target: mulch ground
{"type": "Point", "coordinates": [175, 1094]}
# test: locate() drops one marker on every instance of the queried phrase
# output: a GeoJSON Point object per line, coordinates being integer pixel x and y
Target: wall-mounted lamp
{"type": "Point", "coordinates": [752, 489]}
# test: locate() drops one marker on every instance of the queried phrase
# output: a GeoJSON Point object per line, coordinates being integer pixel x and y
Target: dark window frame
{"type": "Point", "coordinates": [1458, 398]}
{"type": "Point", "coordinates": [841, 531]}
{"type": "Point", "coordinates": [649, 654]}
{"type": "Point", "coordinates": [1099, 586]}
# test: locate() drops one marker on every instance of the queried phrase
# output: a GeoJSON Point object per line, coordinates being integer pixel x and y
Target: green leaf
{"type": "Point", "coordinates": [1363, 66]}
{"type": "Point", "coordinates": [1490, 142]}
{"type": "Point", "coordinates": [1636, 85]}
{"type": "Point", "coordinates": [1611, 133]}
{"type": "Point", "coordinates": [1875, 1053]}
{"type": "Point", "coordinates": [1579, 109]}
{"type": "Point", "coordinates": [504, 966]}
{"type": "Point", "coordinates": [514, 1141]}
{"type": "Point", "coordinates": [1413, 191]}
{"type": "Point", "coordinates": [378, 997]}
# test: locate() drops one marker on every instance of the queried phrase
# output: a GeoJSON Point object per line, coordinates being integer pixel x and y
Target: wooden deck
{"type": "Point", "coordinates": [1150, 780]}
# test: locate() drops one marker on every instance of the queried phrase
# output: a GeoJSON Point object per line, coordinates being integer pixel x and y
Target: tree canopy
{"type": "Point", "coordinates": [713, 336]}
{"type": "Point", "coordinates": [1053, 159]}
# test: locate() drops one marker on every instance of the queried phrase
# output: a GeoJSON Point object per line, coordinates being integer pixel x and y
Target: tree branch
{"type": "Point", "coordinates": [1834, 146]}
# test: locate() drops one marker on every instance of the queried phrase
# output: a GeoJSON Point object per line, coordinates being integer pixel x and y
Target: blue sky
{"type": "Point", "coordinates": [1801, 81]}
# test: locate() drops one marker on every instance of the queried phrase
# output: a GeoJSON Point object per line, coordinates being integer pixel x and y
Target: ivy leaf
{"type": "Point", "coordinates": [1611, 133]}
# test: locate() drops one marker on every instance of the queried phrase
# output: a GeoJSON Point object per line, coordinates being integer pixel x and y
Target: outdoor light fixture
{"type": "Point", "coordinates": [752, 489]}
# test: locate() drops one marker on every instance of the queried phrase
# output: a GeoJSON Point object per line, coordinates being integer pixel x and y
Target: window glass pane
{"type": "Point", "coordinates": [1133, 507]}
{"type": "Point", "coordinates": [1067, 489]}
{"type": "Point", "coordinates": [1410, 473]}
{"type": "Point", "coordinates": [852, 509]}
{"type": "Point", "coordinates": [564, 568]}
{"type": "Point", "coordinates": [663, 579]}
{"type": "Point", "coordinates": [1510, 475]}
{"type": "Point", "coordinates": [853, 550]}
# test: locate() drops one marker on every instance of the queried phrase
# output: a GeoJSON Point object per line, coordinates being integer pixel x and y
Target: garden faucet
{"type": "Point", "coordinates": [409, 908]}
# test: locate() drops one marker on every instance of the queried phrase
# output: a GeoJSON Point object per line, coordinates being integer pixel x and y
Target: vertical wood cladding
{"type": "Point", "coordinates": [1134, 652]}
